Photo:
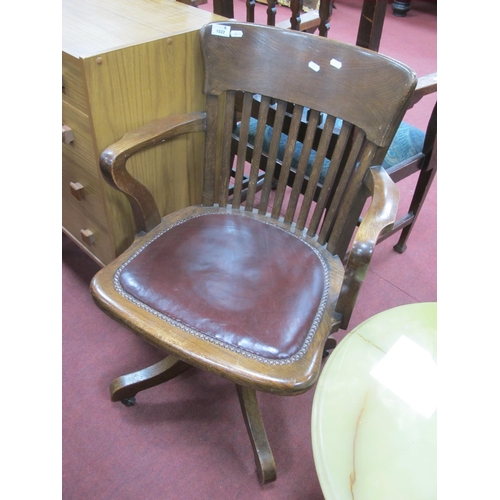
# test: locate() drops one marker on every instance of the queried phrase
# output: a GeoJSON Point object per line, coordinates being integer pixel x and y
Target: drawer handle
{"type": "Point", "coordinates": [77, 190]}
{"type": "Point", "coordinates": [67, 135]}
{"type": "Point", "coordinates": [87, 236]}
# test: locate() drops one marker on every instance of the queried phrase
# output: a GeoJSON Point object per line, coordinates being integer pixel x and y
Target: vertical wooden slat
{"type": "Point", "coordinates": [224, 8]}
{"type": "Point", "coordinates": [302, 165]}
{"type": "Point", "coordinates": [242, 146]}
{"type": "Point", "coordinates": [336, 159]}
{"type": "Point", "coordinates": [295, 7]}
{"type": "Point", "coordinates": [208, 197]}
{"type": "Point", "coordinates": [271, 159]}
{"type": "Point", "coordinates": [317, 168]}
{"type": "Point", "coordinates": [325, 13]}
{"type": "Point", "coordinates": [371, 24]}
{"type": "Point", "coordinates": [258, 146]}
{"type": "Point", "coordinates": [226, 166]}
{"type": "Point", "coordinates": [287, 160]}
{"type": "Point", "coordinates": [338, 240]}
{"type": "Point", "coordinates": [250, 11]}
{"type": "Point", "coordinates": [345, 175]}
{"type": "Point", "coordinates": [271, 12]}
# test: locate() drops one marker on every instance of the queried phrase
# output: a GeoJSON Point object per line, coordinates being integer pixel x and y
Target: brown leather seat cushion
{"type": "Point", "coordinates": [229, 277]}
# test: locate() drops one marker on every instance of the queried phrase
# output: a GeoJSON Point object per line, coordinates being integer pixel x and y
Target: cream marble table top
{"type": "Point", "coordinates": [374, 410]}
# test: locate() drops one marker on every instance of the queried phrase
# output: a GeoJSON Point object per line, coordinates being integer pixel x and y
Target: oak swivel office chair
{"type": "Point", "coordinates": [251, 291]}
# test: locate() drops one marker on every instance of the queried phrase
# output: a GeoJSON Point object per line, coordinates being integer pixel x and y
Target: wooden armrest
{"type": "Point", "coordinates": [114, 159]}
{"type": "Point", "coordinates": [425, 85]}
{"type": "Point", "coordinates": [380, 217]}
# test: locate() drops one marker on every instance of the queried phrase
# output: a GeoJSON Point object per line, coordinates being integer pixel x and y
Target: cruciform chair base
{"type": "Point", "coordinates": [399, 248]}
{"type": "Point", "coordinates": [264, 460]}
{"type": "Point", "coordinates": [124, 388]}
{"type": "Point", "coordinates": [330, 345]}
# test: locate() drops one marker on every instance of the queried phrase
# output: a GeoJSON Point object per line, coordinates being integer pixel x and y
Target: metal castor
{"type": "Point", "coordinates": [399, 248]}
{"type": "Point", "coordinates": [128, 401]}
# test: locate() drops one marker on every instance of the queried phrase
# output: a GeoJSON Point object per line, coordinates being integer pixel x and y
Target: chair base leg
{"type": "Point", "coordinates": [330, 345]}
{"type": "Point", "coordinates": [125, 388]}
{"type": "Point", "coordinates": [399, 248]}
{"type": "Point", "coordinates": [264, 460]}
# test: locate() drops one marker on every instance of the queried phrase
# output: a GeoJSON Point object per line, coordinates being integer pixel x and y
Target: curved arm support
{"type": "Point", "coordinates": [380, 216]}
{"type": "Point", "coordinates": [114, 159]}
{"type": "Point", "coordinates": [425, 85]}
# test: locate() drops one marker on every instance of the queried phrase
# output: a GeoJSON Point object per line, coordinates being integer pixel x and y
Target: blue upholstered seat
{"type": "Point", "coordinates": [407, 142]}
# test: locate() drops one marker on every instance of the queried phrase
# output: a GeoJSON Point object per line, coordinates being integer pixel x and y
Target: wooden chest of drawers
{"type": "Point", "coordinates": [126, 63]}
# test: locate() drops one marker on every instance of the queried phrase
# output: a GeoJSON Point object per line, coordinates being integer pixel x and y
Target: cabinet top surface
{"type": "Point", "coordinates": [95, 26]}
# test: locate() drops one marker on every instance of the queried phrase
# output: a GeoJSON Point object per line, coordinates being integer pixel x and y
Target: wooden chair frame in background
{"type": "Point", "coordinates": [369, 34]}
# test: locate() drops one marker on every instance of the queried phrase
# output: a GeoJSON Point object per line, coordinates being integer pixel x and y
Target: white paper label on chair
{"type": "Point", "coordinates": [314, 66]}
{"type": "Point", "coordinates": [335, 63]}
{"type": "Point", "coordinates": [237, 33]}
{"type": "Point", "coordinates": [221, 30]}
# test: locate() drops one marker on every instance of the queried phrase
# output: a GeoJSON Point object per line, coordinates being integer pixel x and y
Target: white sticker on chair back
{"type": "Point", "coordinates": [221, 30]}
{"type": "Point", "coordinates": [335, 63]}
{"type": "Point", "coordinates": [314, 66]}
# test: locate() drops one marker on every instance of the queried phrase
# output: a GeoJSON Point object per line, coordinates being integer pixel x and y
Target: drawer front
{"type": "Point", "coordinates": [83, 188]}
{"type": "Point", "coordinates": [73, 82]}
{"type": "Point", "coordinates": [83, 214]}
{"type": "Point", "coordinates": [77, 142]}
{"type": "Point", "coordinates": [92, 237]}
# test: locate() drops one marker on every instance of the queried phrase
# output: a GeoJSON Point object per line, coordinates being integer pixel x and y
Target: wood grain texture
{"type": "Point", "coordinates": [380, 216]}
{"type": "Point", "coordinates": [126, 64]}
{"type": "Point", "coordinates": [127, 386]}
{"type": "Point", "coordinates": [114, 159]}
{"type": "Point", "coordinates": [264, 460]}
{"type": "Point", "coordinates": [376, 75]}
{"type": "Point", "coordinates": [98, 26]}
{"type": "Point", "coordinates": [371, 24]}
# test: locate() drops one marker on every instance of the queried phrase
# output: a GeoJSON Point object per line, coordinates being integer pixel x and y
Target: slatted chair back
{"type": "Point", "coordinates": [411, 152]}
{"type": "Point", "coordinates": [368, 92]}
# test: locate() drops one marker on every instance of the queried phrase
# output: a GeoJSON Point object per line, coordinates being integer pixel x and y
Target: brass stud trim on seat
{"type": "Point", "coordinates": [209, 338]}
